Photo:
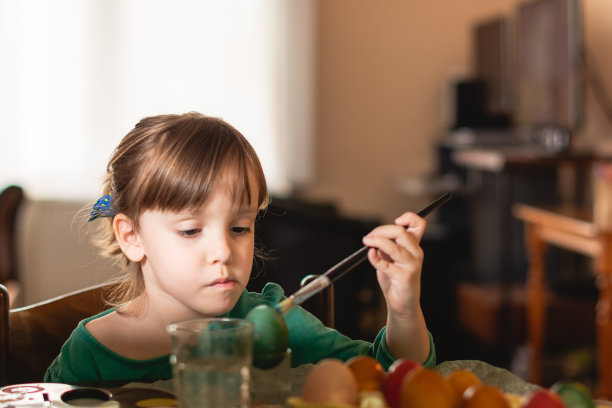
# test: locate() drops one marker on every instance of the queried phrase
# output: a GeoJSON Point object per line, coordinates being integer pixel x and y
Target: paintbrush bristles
{"type": "Point", "coordinates": [284, 306]}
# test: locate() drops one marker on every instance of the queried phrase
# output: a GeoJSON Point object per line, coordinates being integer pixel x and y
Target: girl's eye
{"type": "Point", "coordinates": [189, 232]}
{"type": "Point", "coordinates": [241, 230]}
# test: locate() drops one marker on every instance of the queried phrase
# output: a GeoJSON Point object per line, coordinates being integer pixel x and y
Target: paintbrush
{"type": "Point", "coordinates": [343, 267]}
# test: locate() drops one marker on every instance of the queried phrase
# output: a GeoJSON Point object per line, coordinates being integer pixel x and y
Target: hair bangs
{"type": "Point", "coordinates": [188, 170]}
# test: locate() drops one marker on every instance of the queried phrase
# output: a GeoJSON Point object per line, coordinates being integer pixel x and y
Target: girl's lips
{"type": "Point", "coordinates": [223, 283]}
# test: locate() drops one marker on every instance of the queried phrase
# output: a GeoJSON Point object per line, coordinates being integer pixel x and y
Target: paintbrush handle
{"type": "Point", "coordinates": [352, 261]}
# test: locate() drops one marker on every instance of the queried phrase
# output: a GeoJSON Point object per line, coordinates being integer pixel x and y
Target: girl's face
{"type": "Point", "coordinates": [198, 263]}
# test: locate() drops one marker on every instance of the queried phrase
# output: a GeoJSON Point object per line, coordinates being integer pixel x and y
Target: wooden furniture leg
{"type": "Point", "coordinates": [536, 302]}
{"type": "Point", "coordinates": [603, 267]}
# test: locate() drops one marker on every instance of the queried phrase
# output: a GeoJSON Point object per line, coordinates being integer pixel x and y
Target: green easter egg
{"type": "Point", "coordinates": [270, 336]}
{"type": "Point", "coordinates": [574, 394]}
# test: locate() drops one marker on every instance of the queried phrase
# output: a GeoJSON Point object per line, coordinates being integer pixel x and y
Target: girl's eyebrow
{"type": "Point", "coordinates": [182, 216]}
{"type": "Point", "coordinates": [196, 213]}
{"type": "Point", "coordinates": [249, 212]}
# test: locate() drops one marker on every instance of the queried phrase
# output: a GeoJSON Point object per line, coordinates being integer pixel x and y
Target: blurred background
{"type": "Point", "coordinates": [359, 110]}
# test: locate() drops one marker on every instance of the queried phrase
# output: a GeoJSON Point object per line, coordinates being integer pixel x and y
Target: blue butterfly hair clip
{"type": "Point", "coordinates": [102, 208]}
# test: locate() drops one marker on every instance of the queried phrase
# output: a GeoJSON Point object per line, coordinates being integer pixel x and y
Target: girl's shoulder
{"type": "Point", "coordinates": [89, 325]}
{"type": "Point", "coordinates": [271, 294]}
{"type": "Point", "coordinates": [99, 322]}
{"type": "Point", "coordinates": [85, 358]}
{"type": "Point", "coordinates": [105, 327]}
{"type": "Point", "coordinates": [128, 336]}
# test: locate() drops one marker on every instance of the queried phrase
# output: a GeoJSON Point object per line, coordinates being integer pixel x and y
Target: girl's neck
{"type": "Point", "coordinates": [157, 314]}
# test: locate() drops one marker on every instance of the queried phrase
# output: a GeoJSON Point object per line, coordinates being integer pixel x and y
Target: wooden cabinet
{"type": "Point", "coordinates": [495, 180]}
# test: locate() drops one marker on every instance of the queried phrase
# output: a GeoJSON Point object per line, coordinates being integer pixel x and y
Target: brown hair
{"type": "Point", "coordinates": [174, 162]}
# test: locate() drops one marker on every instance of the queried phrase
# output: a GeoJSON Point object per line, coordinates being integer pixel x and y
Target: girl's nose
{"type": "Point", "coordinates": [219, 249]}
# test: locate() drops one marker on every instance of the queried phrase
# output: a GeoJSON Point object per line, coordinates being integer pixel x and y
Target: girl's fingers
{"type": "Point", "coordinates": [396, 245]}
{"type": "Point", "coordinates": [394, 241]}
{"type": "Point", "coordinates": [413, 223]}
{"type": "Point", "coordinates": [393, 261]}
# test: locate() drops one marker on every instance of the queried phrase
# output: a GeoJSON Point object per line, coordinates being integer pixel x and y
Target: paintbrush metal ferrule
{"type": "Point", "coordinates": [286, 304]}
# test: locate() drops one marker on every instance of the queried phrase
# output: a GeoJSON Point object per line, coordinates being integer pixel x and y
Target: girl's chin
{"type": "Point", "coordinates": [222, 306]}
{"type": "Point", "coordinates": [217, 312]}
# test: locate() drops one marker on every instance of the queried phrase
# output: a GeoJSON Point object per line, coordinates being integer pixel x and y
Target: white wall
{"type": "Point", "coordinates": [382, 67]}
{"type": "Point", "coordinates": [54, 251]}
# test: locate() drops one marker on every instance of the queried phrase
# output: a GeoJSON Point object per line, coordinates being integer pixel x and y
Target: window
{"type": "Point", "coordinates": [76, 75]}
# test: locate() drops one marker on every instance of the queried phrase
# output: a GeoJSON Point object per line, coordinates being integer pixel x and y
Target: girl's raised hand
{"type": "Point", "coordinates": [397, 257]}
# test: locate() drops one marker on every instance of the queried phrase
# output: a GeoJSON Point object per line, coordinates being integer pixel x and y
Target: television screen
{"type": "Point", "coordinates": [548, 53]}
{"type": "Point", "coordinates": [491, 65]}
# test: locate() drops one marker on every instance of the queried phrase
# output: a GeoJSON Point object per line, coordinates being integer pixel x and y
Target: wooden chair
{"type": "Point", "coordinates": [32, 336]}
{"type": "Point", "coordinates": [4, 334]}
{"type": "Point", "coordinates": [322, 304]}
{"type": "Point", "coordinates": [11, 199]}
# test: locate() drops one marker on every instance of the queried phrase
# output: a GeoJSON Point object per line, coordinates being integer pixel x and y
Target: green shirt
{"type": "Point", "coordinates": [83, 359]}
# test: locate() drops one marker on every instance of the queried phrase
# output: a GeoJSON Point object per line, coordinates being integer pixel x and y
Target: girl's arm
{"type": "Point", "coordinates": [398, 258]}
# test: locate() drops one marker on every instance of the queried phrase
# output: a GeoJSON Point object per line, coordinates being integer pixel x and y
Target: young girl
{"type": "Point", "coordinates": [180, 202]}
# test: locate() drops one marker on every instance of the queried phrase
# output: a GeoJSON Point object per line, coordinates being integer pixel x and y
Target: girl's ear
{"type": "Point", "coordinates": [128, 238]}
